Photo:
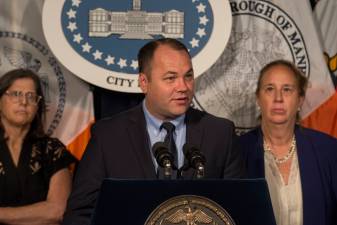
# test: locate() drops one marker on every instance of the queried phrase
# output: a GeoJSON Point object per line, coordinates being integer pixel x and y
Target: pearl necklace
{"type": "Point", "coordinates": [284, 158]}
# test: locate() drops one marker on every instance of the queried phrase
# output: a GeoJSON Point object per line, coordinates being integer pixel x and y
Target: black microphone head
{"type": "Point", "coordinates": [193, 155]}
{"type": "Point", "coordinates": [187, 149]}
{"type": "Point", "coordinates": [159, 147]}
{"type": "Point", "coordinates": [161, 153]}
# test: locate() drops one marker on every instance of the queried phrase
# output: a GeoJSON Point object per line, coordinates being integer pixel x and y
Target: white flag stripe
{"type": "Point", "coordinates": [326, 16]}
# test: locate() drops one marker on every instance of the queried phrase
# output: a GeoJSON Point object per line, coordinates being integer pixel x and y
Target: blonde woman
{"type": "Point", "coordinates": [299, 164]}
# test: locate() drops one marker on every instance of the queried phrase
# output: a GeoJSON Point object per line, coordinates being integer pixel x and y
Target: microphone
{"type": "Point", "coordinates": [164, 158]}
{"type": "Point", "coordinates": [195, 159]}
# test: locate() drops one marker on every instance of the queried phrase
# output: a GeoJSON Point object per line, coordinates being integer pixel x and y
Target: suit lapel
{"type": "Point", "coordinates": [312, 190]}
{"type": "Point", "coordinates": [194, 133]}
{"type": "Point", "coordinates": [256, 168]}
{"type": "Point", "coordinates": [140, 142]}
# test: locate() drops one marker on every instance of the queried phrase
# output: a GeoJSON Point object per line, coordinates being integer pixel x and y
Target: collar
{"type": "Point", "coordinates": [154, 123]}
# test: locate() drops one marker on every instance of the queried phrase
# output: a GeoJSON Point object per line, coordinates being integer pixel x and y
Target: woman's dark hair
{"type": "Point", "coordinates": [146, 53]}
{"type": "Point", "coordinates": [6, 81]}
{"type": "Point", "coordinates": [301, 80]}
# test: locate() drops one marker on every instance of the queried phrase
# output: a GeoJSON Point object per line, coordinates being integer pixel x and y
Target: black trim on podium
{"type": "Point", "coordinates": [130, 202]}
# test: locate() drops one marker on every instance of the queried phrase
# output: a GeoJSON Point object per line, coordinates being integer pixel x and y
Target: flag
{"type": "Point", "coordinates": [263, 31]}
{"type": "Point", "coordinates": [69, 100]}
{"type": "Point", "coordinates": [325, 15]}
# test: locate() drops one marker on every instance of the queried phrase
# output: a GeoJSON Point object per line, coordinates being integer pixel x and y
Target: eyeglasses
{"type": "Point", "coordinates": [17, 96]}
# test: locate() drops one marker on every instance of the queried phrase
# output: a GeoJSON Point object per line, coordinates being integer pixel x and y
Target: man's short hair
{"type": "Point", "coordinates": [146, 53]}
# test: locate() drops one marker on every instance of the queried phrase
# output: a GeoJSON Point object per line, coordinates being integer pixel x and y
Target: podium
{"type": "Point", "coordinates": [133, 202]}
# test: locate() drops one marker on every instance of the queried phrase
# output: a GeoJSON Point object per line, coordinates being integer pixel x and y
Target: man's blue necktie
{"type": "Point", "coordinates": [169, 140]}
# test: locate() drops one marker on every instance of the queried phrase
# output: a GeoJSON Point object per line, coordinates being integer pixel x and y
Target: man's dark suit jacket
{"type": "Point", "coordinates": [317, 159]}
{"type": "Point", "coordinates": [119, 148]}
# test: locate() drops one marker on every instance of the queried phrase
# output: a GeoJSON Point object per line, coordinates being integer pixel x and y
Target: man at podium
{"type": "Point", "coordinates": [134, 144]}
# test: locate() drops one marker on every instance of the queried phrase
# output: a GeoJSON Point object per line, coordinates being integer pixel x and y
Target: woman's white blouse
{"type": "Point", "coordinates": [286, 199]}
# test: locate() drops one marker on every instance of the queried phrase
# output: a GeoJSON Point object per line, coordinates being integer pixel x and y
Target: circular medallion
{"type": "Point", "coordinates": [261, 32]}
{"type": "Point", "coordinates": [99, 40]}
{"type": "Point", "coordinates": [189, 210]}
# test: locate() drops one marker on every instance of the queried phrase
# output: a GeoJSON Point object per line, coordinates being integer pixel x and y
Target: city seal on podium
{"type": "Point", "coordinates": [189, 210]}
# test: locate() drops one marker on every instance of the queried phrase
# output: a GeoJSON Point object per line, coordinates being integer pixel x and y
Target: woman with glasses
{"type": "Point", "coordinates": [34, 178]}
{"type": "Point", "coordinates": [299, 164]}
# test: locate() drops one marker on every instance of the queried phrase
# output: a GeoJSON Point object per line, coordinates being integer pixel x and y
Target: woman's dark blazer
{"type": "Point", "coordinates": [317, 156]}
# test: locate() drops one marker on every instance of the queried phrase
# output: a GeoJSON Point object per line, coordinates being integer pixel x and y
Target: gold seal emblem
{"type": "Point", "coordinates": [189, 210]}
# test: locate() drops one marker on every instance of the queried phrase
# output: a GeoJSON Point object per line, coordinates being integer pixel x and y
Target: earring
{"type": "Point", "coordinates": [257, 107]}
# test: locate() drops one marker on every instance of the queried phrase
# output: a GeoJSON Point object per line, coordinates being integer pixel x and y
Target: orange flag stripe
{"type": "Point", "coordinates": [333, 63]}
{"type": "Point", "coordinates": [77, 146]}
{"type": "Point", "coordinates": [324, 118]}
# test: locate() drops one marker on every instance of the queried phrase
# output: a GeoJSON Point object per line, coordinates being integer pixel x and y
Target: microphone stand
{"type": "Point", "coordinates": [164, 159]}
{"type": "Point", "coordinates": [167, 169]}
{"type": "Point", "coordinates": [200, 171]}
{"type": "Point", "coordinates": [196, 160]}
